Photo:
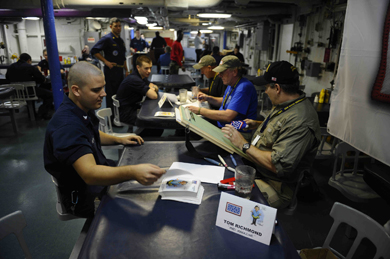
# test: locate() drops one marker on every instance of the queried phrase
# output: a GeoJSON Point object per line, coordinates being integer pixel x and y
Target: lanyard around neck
{"type": "Point", "coordinates": [279, 112]}
{"type": "Point", "coordinates": [211, 86]}
{"type": "Point", "coordinates": [231, 90]}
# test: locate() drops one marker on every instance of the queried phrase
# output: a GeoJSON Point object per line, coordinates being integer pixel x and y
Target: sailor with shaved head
{"type": "Point", "coordinates": [72, 149]}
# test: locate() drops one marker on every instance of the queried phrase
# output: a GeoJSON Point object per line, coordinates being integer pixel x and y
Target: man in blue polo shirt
{"type": "Point", "coordinates": [72, 149]}
{"type": "Point", "coordinates": [114, 58]}
{"type": "Point", "coordinates": [239, 100]}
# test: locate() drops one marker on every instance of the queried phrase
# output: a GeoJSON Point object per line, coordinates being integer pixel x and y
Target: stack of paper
{"type": "Point", "coordinates": [180, 185]}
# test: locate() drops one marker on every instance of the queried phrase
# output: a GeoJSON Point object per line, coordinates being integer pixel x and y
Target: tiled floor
{"type": "Point", "coordinates": [26, 186]}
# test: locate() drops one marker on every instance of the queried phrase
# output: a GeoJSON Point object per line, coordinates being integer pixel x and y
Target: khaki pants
{"type": "Point", "coordinates": [278, 194]}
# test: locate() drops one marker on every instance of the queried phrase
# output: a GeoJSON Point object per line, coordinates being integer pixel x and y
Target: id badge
{"type": "Point", "coordinates": [257, 138]}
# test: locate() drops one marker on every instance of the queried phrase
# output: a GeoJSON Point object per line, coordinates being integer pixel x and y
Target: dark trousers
{"type": "Point", "coordinates": [157, 54]}
{"type": "Point", "coordinates": [198, 54]}
{"type": "Point", "coordinates": [174, 68]}
{"type": "Point", "coordinates": [114, 78]}
{"type": "Point", "coordinates": [47, 99]}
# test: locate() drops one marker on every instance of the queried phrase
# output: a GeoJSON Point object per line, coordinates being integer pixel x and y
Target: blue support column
{"type": "Point", "coordinates": [224, 39]}
{"type": "Point", "coordinates": [52, 51]}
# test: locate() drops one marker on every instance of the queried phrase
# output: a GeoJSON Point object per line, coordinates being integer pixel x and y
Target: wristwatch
{"type": "Point", "coordinates": [245, 147]}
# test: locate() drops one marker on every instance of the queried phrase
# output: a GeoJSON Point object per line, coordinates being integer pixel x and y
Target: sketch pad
{"type": "Point", "coordinates": [206, 130]}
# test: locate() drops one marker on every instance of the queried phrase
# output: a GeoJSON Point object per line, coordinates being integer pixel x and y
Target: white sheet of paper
{"type": "Point", "coordinates": [205, 173]}
{"type": "Point", "coordinates": [235, 214]}
{"type": "Point", "coordinates": [171, 97]}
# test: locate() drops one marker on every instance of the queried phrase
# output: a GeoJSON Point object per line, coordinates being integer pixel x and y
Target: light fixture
{"type": "Point", "coordinates": [172, 29]}
{"type": "Point", "coordinates": [155, 28]}
{"type": "Point", "coordinates": [216, 28]}
{"type": "Point", "coordinates": [151, 24]}
{"type": "Point", "coordinates": [194, 32]}
{"type": "Point", "coordinates": [206, 31]}
{"type": "Point", "coordinates": [140, 18]}
{"type": "Point", "coordinates": [214, 15]}
{"type": "Point", "coordinates": [206, 23]}
{"type": "Point", "coordinates": [31, 18]}
{"type": "Point", "coordinates": [142, 22]}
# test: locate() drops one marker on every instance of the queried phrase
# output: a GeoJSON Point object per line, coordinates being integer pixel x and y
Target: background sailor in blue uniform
{"type": "Point", "coordinates": [114, 58]}
{"type": "Point", "coordinates": [137, 44]}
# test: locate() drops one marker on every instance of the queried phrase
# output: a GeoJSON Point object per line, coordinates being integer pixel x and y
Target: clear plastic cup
{"type": "Point", "coordinates": [183, 95]}
{"type": "Point", "coordinates": [195, 91]}
{"type": "Point", "coordinates": [245, 177]}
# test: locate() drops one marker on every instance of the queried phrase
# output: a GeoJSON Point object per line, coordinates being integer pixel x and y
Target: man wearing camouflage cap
{"type": "Point", "coordinates": [286, 142]}
{"type": "Point", "coordinates": [239, 101]}
{"type": "Point", "coordinates": [216, 87]}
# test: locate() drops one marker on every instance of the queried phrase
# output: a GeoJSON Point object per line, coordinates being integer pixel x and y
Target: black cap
{"type": "Point", "coordinates": [280, 72]}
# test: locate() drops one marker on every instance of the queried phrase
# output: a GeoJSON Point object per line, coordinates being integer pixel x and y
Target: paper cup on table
{"type": "Point", "coordinates": [245, 176]}
{"type": "Point", "coordinates": [183, 95]}
{"type": "Point", "coordinates": [195, 91]}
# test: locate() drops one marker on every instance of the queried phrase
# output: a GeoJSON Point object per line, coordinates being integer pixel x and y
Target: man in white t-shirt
{"type": "Point", "coordinates": [198, 46]}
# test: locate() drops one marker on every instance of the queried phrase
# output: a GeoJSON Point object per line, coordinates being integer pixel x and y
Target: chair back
{"type": "Point", "coordinates": [104, 120]}
{"type": "Point", "coordinates": [61, 211]}
{"type": "Point", "coordinates": [29, 87]}
{"type": "Point", "coordinates": [13, 224]}
{"type": "Point", "coordinates": [165, 70]}
{"type": "Point", "coordinates": [326, 150]}
{"type": "Point", "coordinates": [365, 226]}
{"type": "Point", "coordinates": [116, 105]}
{"type": "Point", "coordinates": [16, 101]}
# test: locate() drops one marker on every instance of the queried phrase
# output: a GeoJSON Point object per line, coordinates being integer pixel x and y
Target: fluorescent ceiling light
{"type": "Point", "coordinates": [206, 23]}
{"type": "Point", "coordinates": [206, 31]}
{"type": "Point", "coordinates": [151, 24]}
{"type": "Point", "coordinates": [214, 15]}
{"type": "Point", "coordinates": [216, 28]}
{"type": "Point", "coordinates": [194, 32]}
{"type": "Point", "coordinates": [30, 18]}
{"type": "Point", "coordinates": [140, 18]}
{"type": "Point", "coordinates": [155, 28]}
{"type": "Point", "coordinates": [172, 29]}
{"type": "Point", "coordinates": [142, 21]}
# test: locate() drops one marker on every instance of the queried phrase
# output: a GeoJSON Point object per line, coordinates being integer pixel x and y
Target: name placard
{"type": "Point", "coordinates": [162, 101]}
{"type": "Point", "coordinates": [246, 218]}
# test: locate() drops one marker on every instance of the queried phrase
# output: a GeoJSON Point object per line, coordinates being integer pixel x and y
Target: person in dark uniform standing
{"type": "Point", "coordinates": [137, 44]}
{"type": "Point", "coordinates": [158, 45]}
{"type": "Point", "coordinates": [114, 58]}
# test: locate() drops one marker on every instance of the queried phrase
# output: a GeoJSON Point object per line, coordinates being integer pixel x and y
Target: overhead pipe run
{"type": "Point", "coordinates": [22, 36]}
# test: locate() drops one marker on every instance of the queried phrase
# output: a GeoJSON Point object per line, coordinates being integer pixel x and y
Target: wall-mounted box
{"type": "Point", "coordinates": [313, 69]}
{"type": "Point", "coordinates": [262, 36]}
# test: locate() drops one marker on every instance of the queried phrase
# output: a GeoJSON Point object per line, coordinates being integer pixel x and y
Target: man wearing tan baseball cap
{"type": "Point", "coordinates": [215, 87]}
{"type": "Point", "coordinates": [239, 101]}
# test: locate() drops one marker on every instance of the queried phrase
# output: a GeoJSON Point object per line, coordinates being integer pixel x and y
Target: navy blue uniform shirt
{"type": "Point", "coordinates": [113, 47]}
{"type": "Point", "coordinates": [45, 65]}
{"type": "Point", "coordinates": [21, 71]}
{"type": "Point", "coordinates": [139, 45]}
{"type": "Point", "coordinates": [71, 134]}
{"type": "Point", "coordinates": [132, 89]}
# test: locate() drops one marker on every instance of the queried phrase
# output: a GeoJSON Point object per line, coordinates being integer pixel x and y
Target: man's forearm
{"type": "Point", "coordinates": [216, 101]}
{"type": "Point", "coordinates": [107, 139]}
{"type": "Point", "coordinates": [218, 115]}
{"type": "Point", "coordinates": [262, 158]}
{"type": "Point", "coordinates": [100, 57]}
